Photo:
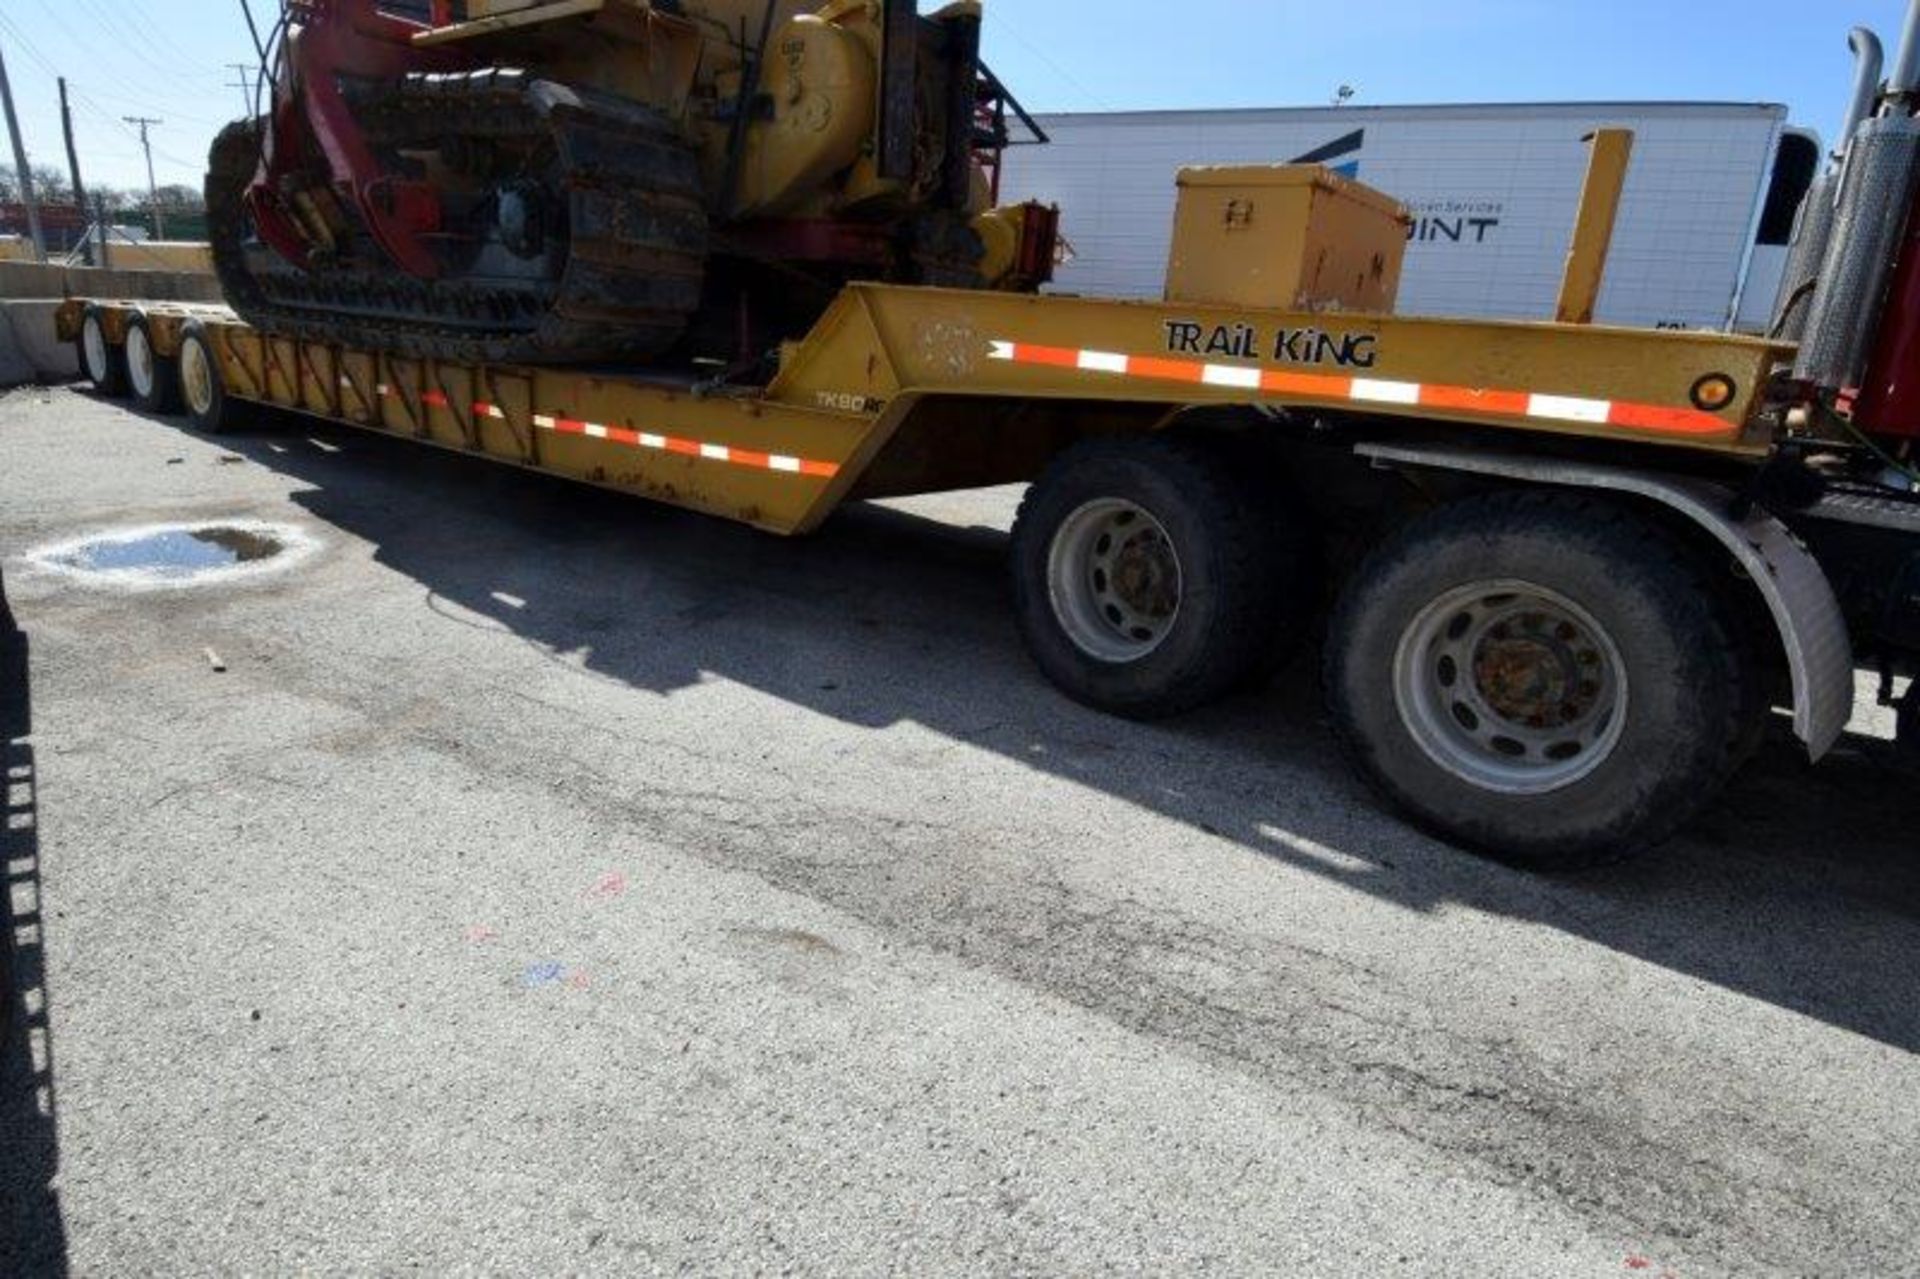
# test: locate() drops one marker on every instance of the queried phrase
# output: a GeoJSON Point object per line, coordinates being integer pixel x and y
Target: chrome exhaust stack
{"type": "Point", "coordinates": [1813, 228]}
{"type": "Point", "coordinates": [1877, 180]}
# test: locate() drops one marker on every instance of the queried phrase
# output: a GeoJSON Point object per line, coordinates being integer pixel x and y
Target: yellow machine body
{"type": "Point", "coordinates": [1293, 237]}
{"type": "Point", "coordinates": [812, 153]}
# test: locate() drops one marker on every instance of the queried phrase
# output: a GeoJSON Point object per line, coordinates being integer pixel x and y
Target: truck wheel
{"type": "Point", "coordinates": [1146, 581]}
{"type": "Point", "coordinates": [1539, 676]}
{"type": "Point", "coordinates": [104, 363]}
{"type": "Point", "coordinates": [153, 378]}
{"type": "Point", "coordinates": [1906, 731]}
{"type": "Point", "coordinates": [198, 374]}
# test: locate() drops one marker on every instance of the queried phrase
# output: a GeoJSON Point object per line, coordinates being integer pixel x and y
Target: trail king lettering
{"type": "Point", "coordinates": [1308, 346]}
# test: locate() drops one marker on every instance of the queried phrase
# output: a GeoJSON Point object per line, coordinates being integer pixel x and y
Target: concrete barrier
{"type": "Point", "coordinates": [195, 256]}
{"type": "Point", "coordinates": [29, 292]}
{"type": "Point", "coordinates": [38, 280]}
{"type": "Point", "coordinates": [29, 352]}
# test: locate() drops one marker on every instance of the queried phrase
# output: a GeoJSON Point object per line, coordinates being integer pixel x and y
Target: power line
{"type": "Point", "coordinates": [1000, 24]}
{"type": "Point", "coordinates": [156, 35]}
{"type": "Point", "coordinates": [27, 46]}
{"type": "Point", "coordinates": [115, 121]}
{"type": "Point", "coordinates": [130, 42]}
{"type": "Point", "coordinates": [244, 74]}
{"type": "Point", "coordinates": [150, 104]}
{"type": "Point", "coordinates": [86, 102]}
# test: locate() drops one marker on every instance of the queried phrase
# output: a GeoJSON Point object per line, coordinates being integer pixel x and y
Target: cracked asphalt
{"type": "Point", "coordinates": [557, 883]}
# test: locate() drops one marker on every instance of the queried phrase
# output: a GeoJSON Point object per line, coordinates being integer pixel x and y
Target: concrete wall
{"type": "Point", "coordinates": [130, 255]}
{"type": "Point", "coordinates": [29, 292]}
{"type": "Point", "coordinates": [28, 350]}
{"type": "Point", "coordinates": [35, 280]}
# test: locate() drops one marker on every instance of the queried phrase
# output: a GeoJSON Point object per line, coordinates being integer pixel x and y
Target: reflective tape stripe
{"type": "Point", "coordinates": [1230, 375]}
{"type": "Point", "coordinates": [1482, 400]}
{"type": "Point", "coordinates": [1385, 392]}
{"type": "Point", "coordinates": [728, 453]}
{"type": "Point", "coordinates": [1568, 409]}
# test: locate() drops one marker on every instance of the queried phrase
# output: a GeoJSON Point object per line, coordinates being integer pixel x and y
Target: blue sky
{"type": "Point", "coordinates": [167, 58]}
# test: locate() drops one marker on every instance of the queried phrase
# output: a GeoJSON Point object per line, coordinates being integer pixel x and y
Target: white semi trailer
{"type": "Point", "coordinates": [1701, 242]}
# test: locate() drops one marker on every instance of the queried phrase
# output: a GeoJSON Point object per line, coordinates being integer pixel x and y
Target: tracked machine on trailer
{"type": "Point", "coordinates": [1565, 574]}
{"type": "Point", "coordinates": [566, 181]}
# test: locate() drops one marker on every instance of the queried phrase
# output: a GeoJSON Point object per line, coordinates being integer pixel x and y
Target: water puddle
{"type": "Point", "coordinates": [179, 554]}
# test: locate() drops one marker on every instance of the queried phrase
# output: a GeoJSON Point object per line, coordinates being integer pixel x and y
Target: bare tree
{"type": "Point", "coordinates": [50, 184]}
{"type": "Point", "coordinates": [182, 198]}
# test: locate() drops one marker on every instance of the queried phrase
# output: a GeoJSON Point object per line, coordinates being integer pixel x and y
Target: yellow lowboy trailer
{"type": "Point", "coordinates": [1564, 572]}
{"type": "Point", "coordinates": [901, 390]}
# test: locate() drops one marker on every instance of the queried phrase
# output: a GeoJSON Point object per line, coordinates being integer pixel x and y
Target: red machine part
{"type": "Point", "coordinates": [328, 39]}
{"type": "Point", "coordinates": [1888, 403]}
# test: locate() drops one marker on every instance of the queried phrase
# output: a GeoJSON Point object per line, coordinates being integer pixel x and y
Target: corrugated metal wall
{"type": "Point", "coordinates": [1494, 188]}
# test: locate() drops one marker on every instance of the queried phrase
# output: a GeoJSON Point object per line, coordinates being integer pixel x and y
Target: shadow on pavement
{"type": "Point", "coordinates": [1801, 888]}
{"type": "Point", "coordinates": [32, 1233]}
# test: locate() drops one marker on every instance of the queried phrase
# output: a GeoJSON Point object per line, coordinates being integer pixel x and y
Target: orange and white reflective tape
{"type": "Point", "coordinates": [730, 454]}
{"type": "Point", "coordinates": [1365, 390]}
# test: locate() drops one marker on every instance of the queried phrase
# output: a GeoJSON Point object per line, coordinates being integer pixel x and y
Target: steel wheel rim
{"type": "Point", "coordinates": [1511, 687]}
{"type": "Point", "coordinates": [196, 377]}
{"type": "Point", "coordinates": [94, 342]}
{"type": "Point", "coordinates": [1114, 579]}
{"type": "Point", "coordinates": [140, 361]}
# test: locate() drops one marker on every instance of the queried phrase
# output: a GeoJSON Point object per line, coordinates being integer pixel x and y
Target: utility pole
{"type": "Point", "coordinates": [153, 189]}
{"type": "Point", "coordinates": [73, 167]}
{"type": "Point", "coordinates": [244, 82]}
{"type": "Point", "coordinates": [20, 163]}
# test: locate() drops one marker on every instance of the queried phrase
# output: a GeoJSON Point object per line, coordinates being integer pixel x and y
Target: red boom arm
{"type": "Point", "coordinates": [328, 39]}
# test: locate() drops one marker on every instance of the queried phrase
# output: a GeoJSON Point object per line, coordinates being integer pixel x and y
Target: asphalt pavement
{"type": "Point", "coordinates": [534, 880]}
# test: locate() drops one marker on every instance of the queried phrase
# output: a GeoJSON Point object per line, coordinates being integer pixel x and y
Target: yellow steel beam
{"type": "Point", "coordinates": [882, 343]}
{"type": "Point", "coordinates": [985, 382]}
{"type": "Point", "coordinates": [1612, 151]}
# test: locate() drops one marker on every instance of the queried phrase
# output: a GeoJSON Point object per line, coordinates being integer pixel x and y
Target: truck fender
{"type": "Point", "coordinates": [1813, 630]}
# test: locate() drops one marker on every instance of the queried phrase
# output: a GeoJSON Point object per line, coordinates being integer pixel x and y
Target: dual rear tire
{"type": "Point", "coordinates": [1537, 675]}
{"type": "Point", "coordinates": [1149, 579]}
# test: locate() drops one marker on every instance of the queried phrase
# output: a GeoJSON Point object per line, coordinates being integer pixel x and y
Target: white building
{"type": "Point", "coordinates": [1701, 238]}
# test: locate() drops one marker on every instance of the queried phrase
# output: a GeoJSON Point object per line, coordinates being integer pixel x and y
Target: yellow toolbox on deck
{"type": "Point", "coordinates": [1295, 237]}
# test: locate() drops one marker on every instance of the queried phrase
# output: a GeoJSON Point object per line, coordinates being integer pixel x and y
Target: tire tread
{"type": "Point", "coordinates": [1679, 589]}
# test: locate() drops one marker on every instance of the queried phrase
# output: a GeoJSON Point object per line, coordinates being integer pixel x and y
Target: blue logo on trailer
{"type": "Point", "coordinates": [1346, 146]}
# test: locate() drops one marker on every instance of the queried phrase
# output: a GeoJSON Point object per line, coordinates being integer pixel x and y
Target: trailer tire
{"type": "Point", "coordinates": [1538, 676]}
{"type": "Point", "coordinates": [1146, 579]}
{"type": "Point", "coordinates": [153, 378]}
{"type": "Point", "coordinates": [104, 364]}
{"type": "Point", "coordinates": [202, 393]}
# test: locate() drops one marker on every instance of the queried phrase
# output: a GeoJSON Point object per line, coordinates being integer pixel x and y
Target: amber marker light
{"type": "Point", "coordinates": [1714, 392]}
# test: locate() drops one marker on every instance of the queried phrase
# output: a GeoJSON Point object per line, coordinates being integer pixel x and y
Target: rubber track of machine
{"type": "Point", "coordinates": [637, 234]}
